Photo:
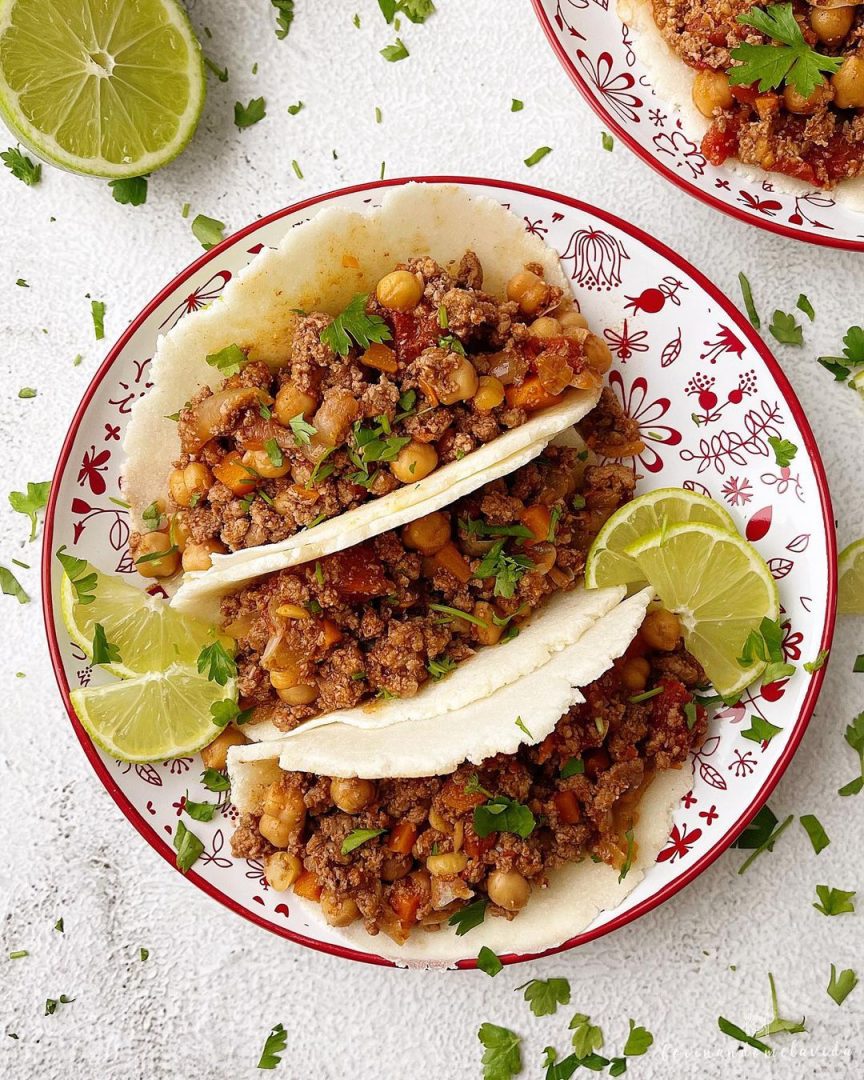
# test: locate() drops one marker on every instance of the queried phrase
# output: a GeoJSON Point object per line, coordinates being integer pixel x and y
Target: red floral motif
{"type": "Point", "coordinates": [147, 773]}
{"type": "Point", "coordinates": [112, 431]}
{"type": "Point", "coordinates": [801, 214]}
{"type": "Point", "coordinates": [651, 301]}
{"type": "Point", "coordinates": [671, 350]}
{"type": "Point", "coordinates": [116, 518]}
{"type": "Point", "coordinates": [768, 207]}
{"type": "Point", "coordinates": [743, 765]}
{"type": "Point", "coordinates": [646, 414]}
{"type": "Point", "coordinates": [729, 446]}
{"type": "Point", "coordinates": [710, 815]}
{"type": "Point", "coordinates": [614, 88]}
{"type": "Point", "coordinates": [700, 489]}
{"type": "Point", "coordinates": [737, 491]}
{"type": "Point", "coordinates": [799, 543]}
{"type": "Point", "coordinates": [701, 386]}
{"type": "Point", "coordinates": [92, 467]}
{"type": "Point", "coordinates": [780, 568]}
{"type": "Point", "coordinates": [202, 296]}
{"type": "Point", "coordinates": [759, 524]}
{"type": "Point", "coordinates": [680, 841]}
{"type": "Point", "coordinates": [726, 342]}
{"type": "Point", "coordinates": [562, 23]}
{"type": "Point", "coordinates": [625, 344]}
{"type": "Point", "coordinates": [708, 773]}
{"type": "Point", "coordinates": [535, 228]}
{"type": "Point", "coordinates": [596, 258]}
{"type": "Point", "coordinates": [682, 152]}
{"type": "Point", "coordinates": [212, 854]}
{"type": "Point", "coordinates": [784, 481]}
{"type": "Point", "coordinates": [689, 800]}
{"type": "Point", "coordinates": [791, 643]}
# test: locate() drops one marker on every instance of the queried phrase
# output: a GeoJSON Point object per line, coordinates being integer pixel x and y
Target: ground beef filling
{"type": "Point", "coordinates": [577, 793]}
{"type": "Point", "coordinates": [819, 140]}
{"type": "Point", "coordinates": [276, 449]}
{"type": "Point", "coordinates": [381, 619]}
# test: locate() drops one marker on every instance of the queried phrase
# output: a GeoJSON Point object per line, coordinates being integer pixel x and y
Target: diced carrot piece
{"type": "Point", "coordinates": [309, 495]}
{"type": "Point", "coordinates": [332, 633]}
{"type": "Point", "coordinates": [405, 899]}
{"type": "Point", "coordinates": [381, 358]}
{"type": "Point", "coordinates": [307, 886]}
{"type": "Point", "coordinates": [538, 519]}
{"type": "Point", "coordinates": [530, 395]}
{"type": "Point", "coordinates": [457, 798]}
{"type": "Point", "coordinates": [235, 476]}
{"type": "Point", "coordinates": [546, 748]}
{"type": "Point", "coordinates": [474, 846]}
{"type": "Point", "coordinates": [451, 559]}
{"type": "Point", "coordinates": [402, 838]}
{"type": "Point", "coordinates": [568, 807]}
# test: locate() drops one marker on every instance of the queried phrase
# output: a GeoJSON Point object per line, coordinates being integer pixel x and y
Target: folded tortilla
{"type": "Point", "coordinates": [308, 271]}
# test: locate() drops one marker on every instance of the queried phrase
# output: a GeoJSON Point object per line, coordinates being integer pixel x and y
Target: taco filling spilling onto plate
{"type": "Point", "coordinates": [418, 373]}
{"type": "Point", "coordinates": [382, 619]}
{"type": "Point", "coordinates": [782, 84]}
{"type": "Point", "coordinates": [398, 854]}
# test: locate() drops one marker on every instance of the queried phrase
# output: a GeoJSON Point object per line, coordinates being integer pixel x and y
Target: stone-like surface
{"type": "Point", "coordinates": [214, 985]}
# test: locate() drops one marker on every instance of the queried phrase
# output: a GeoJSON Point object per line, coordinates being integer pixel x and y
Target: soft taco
{"type": "Point", "coordinates": [431, 617]}
{"type": "Point", "coordinates": [372, 367]}
{"type": "Point", "coordinates": [486, 819]}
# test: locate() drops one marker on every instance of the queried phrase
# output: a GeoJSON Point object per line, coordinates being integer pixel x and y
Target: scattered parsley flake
{"type": "Point", "coordinates": [83, 583]}
{"type": "Point", "coordinates": [814, 829]}
{"type": "Point", "coordinates": [502, 1057]}
{"type": "Point", "coordinates": [502, 814]}
{"type": "Point", "coordinates": [628, 858]}
{"type": "Point", "coordinates": [607, 141]}
{"type": "Point", "coordinates": [778, 1025]}
{"type": "Point", "coordinates": [841, 986]}
{"type": "Point", "coordinates": [247, 115]}
{"type": "Point", "coordinates": [228, 361]}
{"type": "Point", "coordinates": [393, 53]}
{"type": "Point", "coordinates": [854, 736]}
{"type": "Point", "coordinates": [104, 651]}
{"type": "Point", "coordinates": [357, 837]}
{"type": "Point", "coordinates": [538, 155]}
{"type": "Point", "coordinates": [834, 901]}
{"type": "Point", "coordinates": [284, 19]}
{"type": "Point", "coordinates": [784, 451]}
{"type": "Point", "coordinates": [545, 995]}
{"type": "Point", "coordinates": [760, 730]}
{"type": "Point", "coordinates": [18, 954]}
{"type": "Point", "coordinates": [573, 766]}
{"type": "Point", "coordinates": [294, 109]}
{"type": "Point", "coordinates": [354, 323]}
{"type": "Point", "coordinates": [466, 918]}
{"type": "Point", "coordinates": [217, 663]}
{"type": "Point", "coordinates": [52, 1003]}
{"type": "Point", "coordinates": [97, 312]}
{"type": "Point", "coordinates": [520, 723]}
{"type": "Point", "coordinates": [129, 192]}
{"type": "Point", "coordinates": [516, 105]}
{"type": "Point", "coordinates": [646, 695]}
{"type": "Point", "coordinates": [208, 231]}
{"type": "Point", "coordinates": [587, 1037]}
{"type": "Point", "coordinates": [639, 1039]}
{"type": "Point", "coordinates": [488, 962]}
{"type": "Point", "coordinates": [277, 1040]}
{"type": "Point", "coordinates": [198, 811]}
{"type": "Point", "coordinates": [31, 501]}
{"type": "Point", "coordinates": [441, 667]}
{"type": "Point", "coordinates": [785, 329]}
{"type": "Point", "coordinates": [11, 586]}
{"type": "Point", "coordinates": [302, 430]}
{"type": "Point", "coordinates": [750, 306]}
{"type": "Point", "coordinates": [58, 926]}
{"type": "Point", "coordinates": [188, 848]}
{"type": "Point", "coordinates": [21, 283]}
{"type": "Point", "coordinates": [214, 780]}
{"type": "Point", "coordinates": [507, 570]}
{"type": "Point", "coordinates": [143, 954]}
{"type": "Point", "coordinates": [378, 115]}
{"type": "Point", "coordinates": [766, 845]}
{"type": "Point", "coordinates": [812, 666]}
{"type": "Point", "coordinates": [220, 73]}
{"type": "Point", "coordinates": [21, 166]}
{"type": "Point", "coordinates": [735, 1032]}
{"type": "Point", "coordinates": [803, 304]}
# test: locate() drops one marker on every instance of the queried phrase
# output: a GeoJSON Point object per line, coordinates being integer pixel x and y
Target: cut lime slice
{"type": "Point", "coordinates": [721, 589]}
{"type": "Point", "coordinates": [152, 717]}
{"type": "Point", "coordinates": [850, 568]}
{"type": "Point", "coordinates": [608, 565]}
{"type": "Point", "coordinates": [103, 87]}
{"type": "Point", "coordinates": [148, 633]}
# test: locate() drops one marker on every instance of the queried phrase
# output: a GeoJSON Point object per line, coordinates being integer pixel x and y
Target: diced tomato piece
{"type": "Point", "coordinates": [413, 332]}
{"type": "Point", "coordinates": [402, 838]}
{"type": "Point", "coordinates": [307, 886]}
{"type": "Point", "coordinates": [675, 696]}
{"type": "Point", "coordinates": [568, 807]}
{"type": "Point", "coordinates": [356, 572]}
{"type": "Point", "coordinates": [235, 476]}
{"type": "Point", "coordinates": [718, 145]}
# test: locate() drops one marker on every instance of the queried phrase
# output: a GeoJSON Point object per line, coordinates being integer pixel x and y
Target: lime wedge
{"type": "Point", "coordinates": [103, 87]}
{"type": "Point", "coordinates": [721, 589]}
{"type": "Point", "coordinates": [152, 717]}
{"type": "Point", "coordinates": [148, 633]}
{"type": "Point", "coordinates": [608, 565]}
{"type": "Point", "coordinates": [850, 568]}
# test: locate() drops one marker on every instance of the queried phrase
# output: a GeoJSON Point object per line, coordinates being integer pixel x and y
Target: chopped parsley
{"type": "Point", "coordinates": [502, 1056]}
{"type": "Point", "coordinates": [277, 1040]}
{"type": "Point", "coordinates": [783, 327]}
{"type": "Point", "coordinates": [475, 527]}
{"type": "Point", "coordinates": [854, 736]}
{"type": "Point", "coordinates": [227, 361]}
{"type": "Point", "coordinates": [784, 450]}
{"type": "Point", "coordinates": [226, 712]}
{"type": "Point", "coordinates": [457, 613]}
{"type": "Point", "coordinates": [393, 53]}
{"type": "Point", "coordinates": [52, 1003]}
{"type": "Point", "coordinates": [573, 766]}
{"type": "Point", "coordinates": [749, 305]}
{"type": "Point", "coordinates": [188, 848]}
{"type": "Point", "coordinates": [441, 667]}
{"type": "Point", "coordinates": [812, 666]}
{"type": "Point", "coordinates": [765, 644]}
{"type": "Point", "coordinates": [19, 954]}
{"type": "Point", "coordinates": [129, 192]}
{"type": "Point", "coordinates": [151, 516]}
{"type": "Point", "coordinates": [354, 323]}
{"type": "Point", "coordinates": [298, 172]}
{"type": "Point", "coordinates": [841, 986]}
{"type": "Point", "coordinates": [214, 780]}
{"type": "Point", "coordinates": [778, 1024]}
{"type": "Point", "coordinates": [358, 837]}
{"type": "Point", "coordinates": [646, 695]}
{"type": "Point", "coordinates": [506, 569]}
{"type": "Point", "coordinates": [97, 312]}
{"type": "Point", "coordinates": [104, 651]}
{"type": "Point", "coordinates": [520, 723]}
{"type": "Point", "coordinates": [761, 730]}
{"type": "Point", "coordinates": [628, 858]}
{"type": "Point", "coordinates": [516, 105]}
{"type": "Point", "coordinates": [222, 75]}
{"type": "Point", "coordinates": [466, 918]}
{"type": "Point", "coordinates": [274, 453]}
{"type": "Point", "coordinates": [154, 555]}
{"type": "Point", "coordinates": [639, 1039]}
{"type": "Point", "coordinates": [545, 995]}
{"type": "Point", "coordinates": [284, 19]}
{"type": "Point", "coordinates": [58, 926]}
{"type": "Point", "coordinates": [371, 446]}
{"type": "Point", "coordinates": [488, 962]}
{"type": "Point", "coordinates": [735, 1032]}
{"type": "Point", "coordinates": [607, 141]}
{"type": "Point", "coordinates": [814, 829]}
{"type": "Point", "coordinates": [786, 59]}
{"type": "Point", "coordinates": [30, 502]}
{"type": "Point", "coordinates": [21, 166]}
{"type": "Point", "coordinates": [502, 814]}
{"type": "Point", "coordinates": [208, 231]}
{"type": "Point", "coordinates": [853, 355]}
{"type": "Point", "coordinates": [690, 715]}
{"type": "Point", "coordinates": [834, 901]}
{"type": "Point", "coordinates": [766, 843]}
{"type": "Point", "coordinates": [587, 1037]}
{"type": "Point", "coordinates": [11, 586]}
{"type": "Point", "coordinates": [143, 954]}
{"type": "Point", "coordinates": [803, 304]}
{"type": "Point", "coordinates": [75, 569]}
{"type": "Point", "coordinates": [216, 663]}
{"type": "Point", "coordinates": [538, 155]}
{"type": "Point", "coordinates": [199, 811]}
{"type": "Point", "coordinates": [247, 115]}
{"type": "Point", "coordinates": [417, 11]}
{"type": "Point", "coordinates": [21, 283]}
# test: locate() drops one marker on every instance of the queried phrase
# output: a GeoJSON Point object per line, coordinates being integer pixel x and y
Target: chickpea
{"type": "Point", "coordinates": [661, 630]}
{"type": "Point", "coordinates": [215, 755]}
{"type": "Point", "coordinates": [508, 889]}
{"type": "Point", "coordinates": [543, 555]}
{"type": "Point", "coordinates": [464, 382]}
{"type": "Point", "coordinates": [352, 795]}
{"type": "Point", "coordinates": [149, 544]}
{"type": "Point", "coordinates": [572, 321]}
{"type": "Point", "coordinates": [274, 830]}
{"type": "Point", "coordinates": [281, 870]}
{"type": "Point", "coordinates": [490, 634]}
{"type": "Point", "coordinates": [711, 91]}
{"type": "Point", "coordinates": [597, 354]}
{"type": "Point", "coordinates": [545, 327]}
{"type": "Point", "coordinates": [399, 291]}
{"type": "Point", "coordinates": [292, 611]}
{"type": "Point", "coordinates": [291, 402]}
{"type": "Point", "coordinates": [395, 867]}
{"type": "Point", "coordinates": [634, 674]}
{"type": "Point", "coordinates": [529, 291]}
{"type": "Point", "coordinates": [805, 106]}
{"type": "Point", "coordinates": [178, 529]}
{"type": "Point", "coordinates": [300, 694]}
{"type": "Point", "coordinates": [194, 479]}
{"type": "Point", "coordinates": [414, 462]}
{"type": "Point", "coordinates": [261, 464]}
{"type": "Point", "coordinates": [831, 25]}
{"type": "Point", "coordinates": [447, 865]}
{"type": "Point", "coordinates": [338, 912]}
{"type": "Point", "coordinates": [197, 556]}
{"type": "Point", "coordinates": [848, 83]}
{"type": "Point", "coordinates": [490, 393]}
{"type": "Point", "coordinates": [427, 534]}
{"type": "Point", "coordinates": [286, 805]}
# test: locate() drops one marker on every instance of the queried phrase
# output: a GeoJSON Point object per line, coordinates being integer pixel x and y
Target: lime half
{"type": "Point", "coordinates": [608, 565]}
{"type": "Point", "coordinates": [105, 87]}
{"type": "Point", "coordinates": [850, 567]}
{"type": "Point", "coordinates": [721, 589]}
{"type": "Point", "coordinates": [148, 633]}
{"type": "Point", "coordinates": [152, 717]}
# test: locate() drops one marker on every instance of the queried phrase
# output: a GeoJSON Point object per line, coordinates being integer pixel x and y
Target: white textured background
{"type": "Point", "coordinates": [214, 985]}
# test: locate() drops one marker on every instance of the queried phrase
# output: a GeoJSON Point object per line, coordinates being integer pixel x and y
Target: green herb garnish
{"type": "Point", "coordinates": [841, 986]}
{"type": "Point", "coordinates": [358, 837]}
{"type": "Point", "coordinates": [216, 663]}
{"type": "Point", "coordinates": [228, 361]}
{"type": "Point", "coordinates": [277, 1040]}
{"type": "Point", "coordinates": [538, 155]}
{"type": "Point", "coordinates": [104, 651]}
{"type": "Point", "coordinates": [502, 814]}
{"type": "Point", "coordinates": [814, 829]}
{"type": "Point", "coordinates": [30, 502]}
{"type": "Point", "coordinates": [545, 995]}
{"type": "Point", "coordinates": [208, 231]}
{"type": "Point", "coordinates": [188, 848]}
{"type": "Point", "coordinates": [466, 918]}
{"type": "Point", "coordinates": [199, 811]}
{"type": "Point", "coordinates": [834, 901]}
{"type": "Point", "coordinates": [131, 191]}
{"type": "Point", "coordinates": [354, 324]}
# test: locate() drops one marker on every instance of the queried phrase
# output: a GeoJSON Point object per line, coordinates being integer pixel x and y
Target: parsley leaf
{"type": "Point", "coordinates": [814, 829]}
{"type": "Point", "coordinates": [354, 323]}
{"type": "Point", "coordinates": [783, 326]}
{"type": "Point", "coordinates": [777, 1024]}
{"type": "Point", "coordinates": [628, 859]}
{"type": "Point", "coordinates": [143, 954]}
{"type": "Point", "coordinates": [760, 730]}
{"type": "Point", "coordinates": [766, 845]}
{"type": "Point", "coordinates": [520, 723]}
{"type": "Point", "coordinates": [104, 651]}
{"type": "Point", "coordinates": [358, 837]}
{"type": "Point", "coordinates": [735, 1032]}
{"type": "Point", "coordinates": [786, 59]}
{"type": "Point", "coordinates": [208, 231]}
{"type": "Point", "coordinates": [439, 668]}
{"type": "Point", "coordinates": [97, 312]}
{"type": "Point", "coordinates": [30, 502]}
{"type": "Point", "coordinates": [606, 140]}
{"type": "Point", "coordinates": [83, 583]}
{"type": "Point", "coordinates": [749, 305]}
{"type": "Point", "coordinates": [416, 11]}
{"type": "Point", "coordinates": [506, 569]}
{"type": "Point", "coordinates": [11, 586]}
{"type": "Point", "coordinates": [199, 811]}
{"type": "Point", "coordinates": [638, 1040]}
{"type": "Point", "coordinates": [27, 392]}
{"type": "Point", "coordinates": [587, 1037]}
{"type": "Point", "coordinates": [21, 166]}
{"type": "Point", "coordinates": [227, 712]}
{"type": "Point", "coordinates": [545, 995]}
{"type": "Point", "coordinates": [538, 155]}
{"type": "Point", "coordinates": [222, 75]}
{"type": "Point", "coordinates": [217, 663]}
{"type": "Point", "coordinates": [129, 192]}
{"type": "Point", "coordinates": [277, 1040]}
{"type": "Point", "coordinates": [466, 918]}
{"type": "Point", "coordinates": [516, 105]}
{"type": "Point", "coordinates": [573, 766]}
{"type": "Point", "coordinates": [188, 848]}
{"type": "Point", "coordinates": [302, 430]}
{"type": "Point", "coordinates": [274, 453]}
{"type": "Point", "coordinates": [396, 52]}
{"type": "Point", "coordinates": [834, 901]}
{"type": "Point", "coordinates": [803, 304]}
{"type": "Point", "coordinates": [488, 961]}
{"type": "Point", "coordinates": [502, 1057]}
{"type": "Point", "coordinates": [501, 814]}
{"type": "Point", "coordinates": [227, 361]}
{"type": "Point", "coordinates": [854, 736]}
{"type": "Point", "coordinates": [52, 1003]}
{"type": "Point", "coordinates": [784, 451]}
{"type": "Point", "coordinates": [247, 115]}
{"type": "Point", "coordinates": [284, 19]}
{"type": "Point", "coordinates": [840, 987]}
{"type": "Point", "coordinates": [214, 780]}
{"type": "Point", "coordinates": [812, 666]}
